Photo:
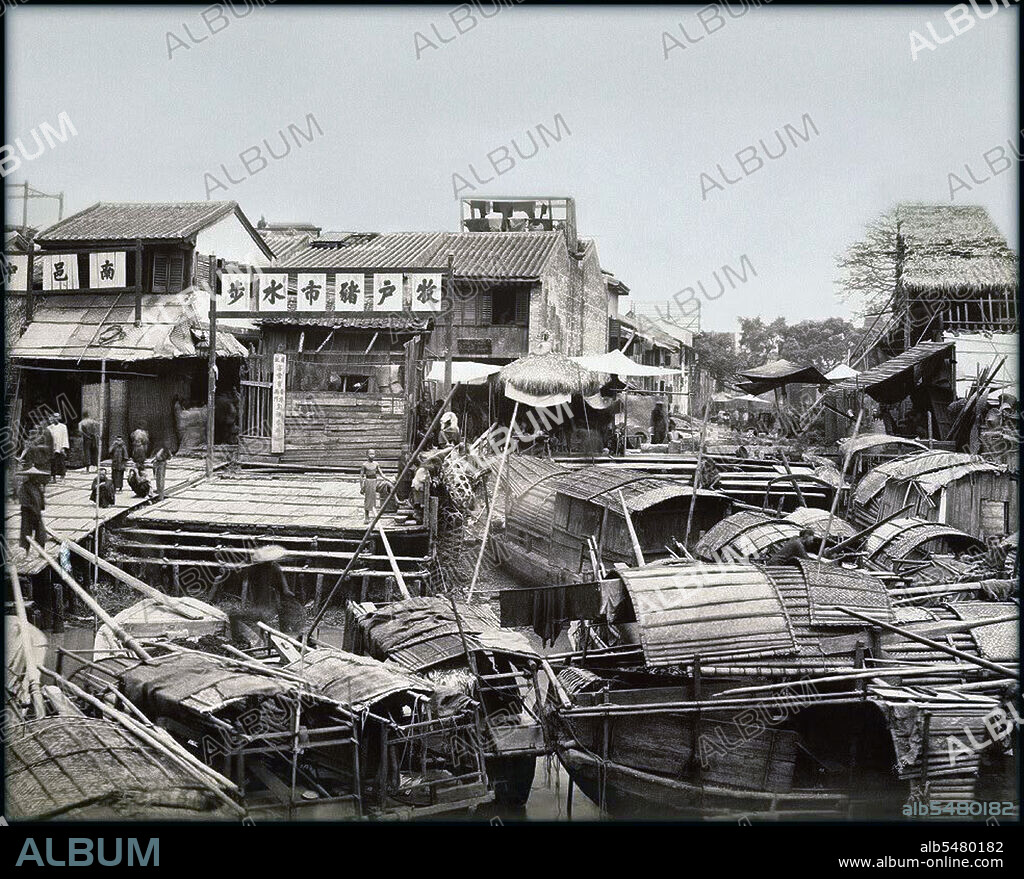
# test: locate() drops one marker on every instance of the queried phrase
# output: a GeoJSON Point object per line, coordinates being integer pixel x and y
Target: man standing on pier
{"type": "Point", "coordinates": [90, 430]}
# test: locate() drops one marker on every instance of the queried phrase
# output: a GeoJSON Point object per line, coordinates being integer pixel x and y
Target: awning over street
{"type": "Point", "coordinates": [464, 372]}
{"type": "Point", "coordinates": [777, 374]}
{"type": "Point", "coordinates": [886, 382]}
{"type": "Point", "coordinates": [97, 327]}
{"type": "Point", "coordinates": [617, 363]}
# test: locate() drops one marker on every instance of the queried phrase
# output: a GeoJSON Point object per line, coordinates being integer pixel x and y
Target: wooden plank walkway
{"type": "Point", "coordinates": [320, 502]}
{"type": "Point", "coordinates": [71, 513]}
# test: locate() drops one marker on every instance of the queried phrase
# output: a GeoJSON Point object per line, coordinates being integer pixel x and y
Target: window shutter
{"type": "Point", "coordinates": [522, 306]}
{"type": "Point", "coordinates": [159, 272]}
{"type": "Point", "coordinates": [484, 316]}
{"type": "Point", "coordinates": [176, 273]}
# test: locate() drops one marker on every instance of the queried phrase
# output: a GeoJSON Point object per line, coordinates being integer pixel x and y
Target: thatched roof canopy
{"type": "Point", "coordinates": [545, 374]}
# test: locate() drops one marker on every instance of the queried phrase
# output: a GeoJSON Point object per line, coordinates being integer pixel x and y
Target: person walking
{"type": "Point", "coordinates": [140, 447]}
{"type": "Point", "coordinates": [61, 445]}
{"type": "Point", "coordinates": [118, 461]}
{"type": "Point", "coordinates": [659, 424]}
{"type": "Point", "coordinates": [90, 429]}
{"type": "Point", "coordinates": [32, 497]}
{"type": "Point", "coordinates": [369, 473]}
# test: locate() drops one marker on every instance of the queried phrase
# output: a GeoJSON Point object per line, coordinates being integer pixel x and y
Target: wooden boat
{"type": "Point", "coordinates": [731, 690]}
{"type": "Point", "coordinates": [465, 646]}
{"type": "Point", "coordinates": [168, 619]}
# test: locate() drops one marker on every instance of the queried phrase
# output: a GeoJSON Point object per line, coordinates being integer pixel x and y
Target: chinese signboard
{"type": "Point", "coordinates": [273, 292]}
{"type": "Point", "coordinates": [277, 405]}
{"type": "Point", "coordinates": [234, 293]}
{"type": "Point", "coordinates": [426, 292]}
{"type": "Point", "coordinates": [107, 270]}
{"type": "Point", "coordinates": [312, 292]}
{"type": "Point", "coordinates": [16, 271]}
{"type": "Point", "coordinates": [348, 293]}
{"type": "Point", "coordinates": [60, 271]}
{"type": "Point", "coordinates": [387, 291]}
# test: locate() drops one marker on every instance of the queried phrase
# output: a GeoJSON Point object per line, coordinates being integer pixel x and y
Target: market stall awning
{"type": "Point", "coordinates": [617, 363]}
{"type": "Point", "coordinates": [886, 381]}
{"type": "Point", "coordinates": [96, 327]}
{"type": "Point", "coordinates": [777, 374]}
{"type": "Point", "coordinates": [464, 372]}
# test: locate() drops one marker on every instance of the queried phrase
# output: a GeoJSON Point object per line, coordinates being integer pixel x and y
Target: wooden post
{"type": "Point", "coordinates": [490, 509]}
{"type": "Point", "coordinates": [696, 473]}
{"type": "Point", "coordinates": [30, 296]}
{"type": "Point", "coordinates": [637, 551]}
{"type": "Point", "coordinates": [99, 464]}
{"type": "Point", "coordinates": [448, 332]}
{"type": "Point", "coordinates": [211, 379]}
{"type": "Point", "coordinates": [839, 490]}
{"type": "Point", "coordinates": [399, 579]}
{"type": "Point", "coordinates": [139, 285]}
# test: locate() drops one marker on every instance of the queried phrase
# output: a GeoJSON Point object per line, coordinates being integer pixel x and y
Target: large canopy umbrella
{"type": "Point", "coordinates": [838, 373]}
{"type": "Point", "coordinates": [548, 379]}
{"type": "Point", "coordinates": [777, 374]}
{"type": "Point", "coordinates": [617, 363]}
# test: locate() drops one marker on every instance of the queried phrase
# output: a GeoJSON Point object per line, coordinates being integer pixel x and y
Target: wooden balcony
{"type": "Point", "coordinates": [482, 341]}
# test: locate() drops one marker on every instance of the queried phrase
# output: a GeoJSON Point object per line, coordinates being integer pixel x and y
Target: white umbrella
{"type": "Point", "coordinates": [617, 363]}
{"type": "Point", "coordinates": [838, 373]}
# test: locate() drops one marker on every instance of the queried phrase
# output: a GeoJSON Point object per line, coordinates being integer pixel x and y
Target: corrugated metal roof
{"type": "Point", "coordinates": [98, 327]}
{"type": "Point", "coordinates": [711, 611]}
{"type": "Point", "coordinates": [871, 378]}
{"type": "Point", "coordinates": [494, 255]}
{"type": "Point", "coordinates": [107, 221]}
{"type": "Point", "coordinates": [900, 537]}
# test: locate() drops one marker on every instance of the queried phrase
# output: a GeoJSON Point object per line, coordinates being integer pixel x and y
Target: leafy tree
{"type": "Point", "coordinates": [823, 343]}
{"type": "Point", "coordinates": [760, 342]}
{"type": "Point", "coordinates": [715, 355]}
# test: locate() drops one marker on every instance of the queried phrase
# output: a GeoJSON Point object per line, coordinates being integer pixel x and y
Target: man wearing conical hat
{"type": "Point", "coordinates": [32, 498]}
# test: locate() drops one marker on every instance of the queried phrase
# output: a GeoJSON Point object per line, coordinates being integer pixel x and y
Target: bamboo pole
{"type": "Point", "coordinates": [696, 472]}
{"type": "Point", "coordinates": [865, 531]}
{"type": "Point", "coordinates": [91, 602]}
{"type": "Point", "coordinates": [399, 579]}
{"type": "Point", "coordinates": [839, 488]}
{"type": "Point", "coordinates": [637, 551]}
{"type": "Point", "coordinates": [490, 509]}
{"type": "Point", "coordinates": [31, 669]}
{"type": "Point", "coordinates": [149, 591]}
{"type": "Point", "coordinates": [209, 778]}
{"type": "Point", "coordinates": [952, 651]}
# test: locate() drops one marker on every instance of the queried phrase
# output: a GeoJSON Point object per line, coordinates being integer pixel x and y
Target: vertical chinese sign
{"type": "Point", "coordinates": [277, 404]}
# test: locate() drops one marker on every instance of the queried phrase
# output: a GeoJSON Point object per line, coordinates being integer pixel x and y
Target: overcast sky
{"type": "Point", "coordinates": [642, 126]}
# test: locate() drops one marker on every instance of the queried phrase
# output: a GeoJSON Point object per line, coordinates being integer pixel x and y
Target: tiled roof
{"type": "Point", "coordinates": [86, 327]}
{"type": "Point", "coordinates": [108, 221]}
{"type": "Point", "coordinates": [498, 255]}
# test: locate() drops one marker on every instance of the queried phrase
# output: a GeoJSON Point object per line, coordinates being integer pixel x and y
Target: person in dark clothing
{"type": "Point", "coordinates": [795, 548]}
{"type": "Point", "coordinates": [160, 460]}
{"type": "Point", "coordinates": [90, 430]}
{"type": "Point", "coordinates": [32, 497]}
{"type": "Point", "coordinates": [102, 486]}
{"type": "Point", "coordinates": [271, 600]}
{"type": "Point", "coordinates": [40, 449]}
{"type": "Point", "coordinates": [137, 482]}
{"type": "Point", "coordinates": [118, 461]}
{"type": "Point", "coordinates": [659, 424]}
{"type": "Point", "coordinates": [995, 556]}
{"type": "Point", "coordinates": [140, 446]}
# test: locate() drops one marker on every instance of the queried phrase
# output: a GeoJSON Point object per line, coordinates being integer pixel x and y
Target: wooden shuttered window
{"type": "Point", "coordinates": [523, 307]}
{"type": "Point", "coordinates": [168, 271]}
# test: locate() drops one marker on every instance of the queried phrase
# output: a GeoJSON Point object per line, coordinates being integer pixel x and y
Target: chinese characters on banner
{"type": "Point", "coordinates": [348, 292]}
{"type": "Point", "coordinates": [387, 291]}
{"type": "Point", "coordinates": [234, 293]}
{"type": "Point", "coordinates": [273, 292]}
{"type": "Point", "coordinates": [277, 405]}
{"type": "Point", "coordinates": [426, 292]}
{"type": "Point", "coordinates": [107, 270]}
{"type": "Point", "coordinates": [312, 292]}
{"type": "Point", "coordinates": [16, 271]}
{"type": "Point", "coordinates": [60, 271]}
